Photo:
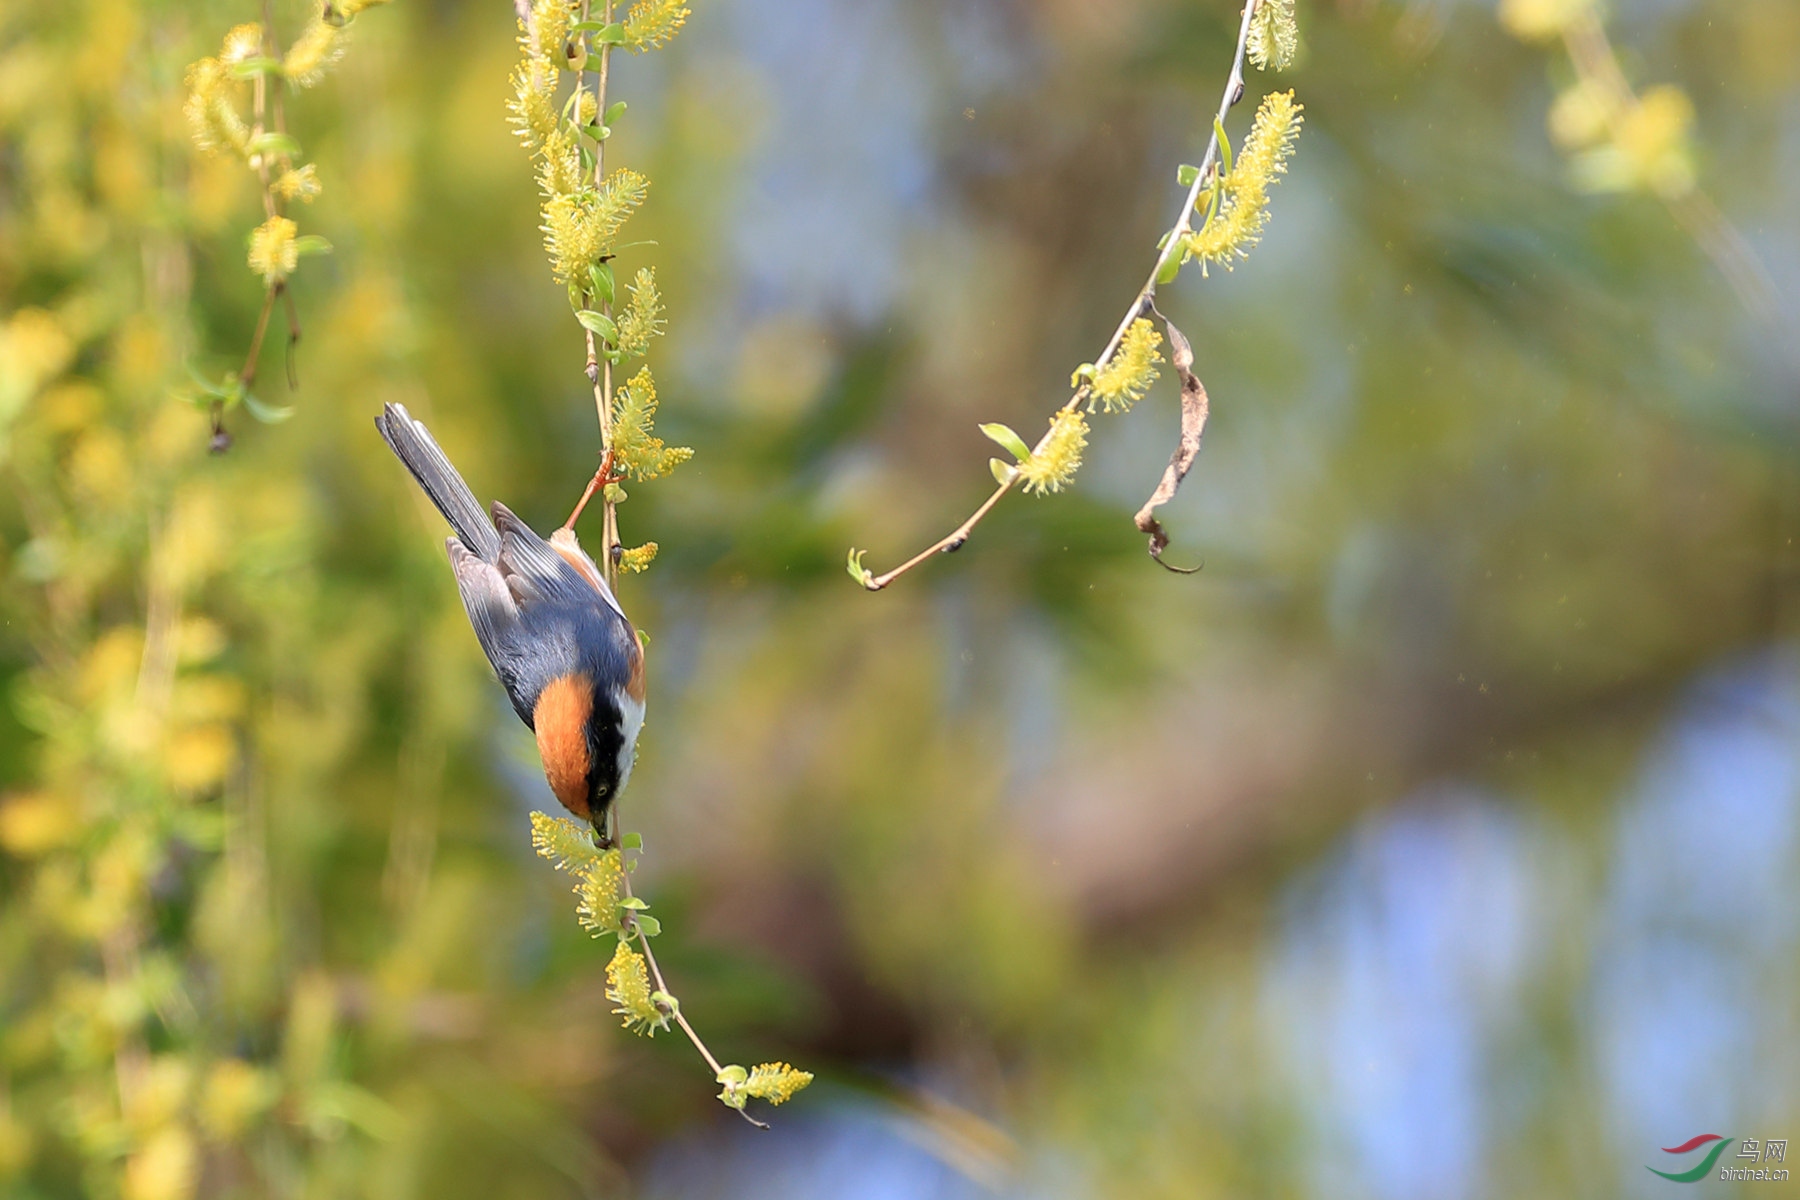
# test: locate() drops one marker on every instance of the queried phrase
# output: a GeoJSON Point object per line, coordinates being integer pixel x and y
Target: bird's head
{"type": "Point", "coordinates": [587, 739]}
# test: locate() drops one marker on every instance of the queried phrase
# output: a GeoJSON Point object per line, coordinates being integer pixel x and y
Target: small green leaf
{"type": "Point", "coordinates": [733, 1074]}
{"type": "Point", "coordinates": [215, 391]}
{"type": "Point", "coordinates": [311, 243]}
{"type": "Point", "coordinates": [250, 68]}
{"type": "Point", "coordinates": [666, 1003]}
{"type": "Point", "coordinates": [599, 324]}
{"type": "Point", "coordinates": [268, 414]}
{"type": "Point", "coordinates": [1186, 173]}
{"type": "Point", "coordinates": [1003, 471]}
{"type": "Point", "coordinates": [632, 841]}
{"type": "Point", "coordinates": [273, 143]}
{"type": "Point", "coordinates": [614, 111]}
{"type": "Point", "coordinates": [1224, 145]}
{"type": "Point", "coordinates": [588, 26]}
{"type": "Point", "coordinates": [647, 925]}
{"type": "Point", "coordinates": [600, 275]}
{"type": "Point", "coordinates": [634, 903]}
{"type": "Point", "coordinates": [1008, 439]}
{"type": "Point", "coordinates": [1168, 268]}
{"type": "Point", "coordinates": [234, 392]}
{"type": "Point", "coordinates": [859, 572]}
{"type": "Point", "coordinates": [644, 641]}
{"type": "Point", "coordinates": [610, 35]}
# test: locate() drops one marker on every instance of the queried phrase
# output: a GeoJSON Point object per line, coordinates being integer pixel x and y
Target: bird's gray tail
{"type": "Point", "coordinates": [413, 444]}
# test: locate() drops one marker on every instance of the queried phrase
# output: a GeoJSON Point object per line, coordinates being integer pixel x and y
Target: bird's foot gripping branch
{"type": "Point", "coordinates": [561, 113]}
{"type": "Point", "coordinates": [1222, 217]}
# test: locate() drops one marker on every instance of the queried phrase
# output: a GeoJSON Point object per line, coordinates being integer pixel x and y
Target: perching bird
{"type": "Point", "coordinates": [567, 656]}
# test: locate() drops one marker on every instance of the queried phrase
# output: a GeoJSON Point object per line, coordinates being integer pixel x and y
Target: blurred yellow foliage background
{"type": "Point", "coordinates": [1086, 879]}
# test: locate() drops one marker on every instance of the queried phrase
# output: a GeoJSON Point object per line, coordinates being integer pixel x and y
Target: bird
{"type": "Point", "coordinates": [560, 644]}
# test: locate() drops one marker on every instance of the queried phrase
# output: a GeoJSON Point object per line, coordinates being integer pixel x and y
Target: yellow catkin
{"type": "Point", "coordinates": [1274, 35]}
{"type": "Point", "coordinates": [559, 171]}
{"type": "Point", "coordinates": [533, 104]}
{"type": "Point", "coordinates": [651, 23]}
{"type": "Point", "coordinates": [580, 228]}
{"type": "Point", "coordinates": [642, 318]}
{"type": "Point", "coordinates": [243, 42]}
{"type": "Point", "coordinates": [549, 28]}
{"type": "Point", "coordinates": [636, 449]}
{"type": "Point", "coordinates": [347, 9]}
{"type": "Point", "coordinates": [776, 1082]}
{"type": "Point", "coordinates": [568, 844]}
{"type": "Point", "coordinates": [628, 986]}
{"type": "Point", "coordinates": [599, 874]}
{"type": "Point", "coordinates": [1541, 20]}
{"type": "Point", "coordinates": [212, 118]}
{"type": "Point", "coordinates": [599, 885]}
{"type": "Point", "coordinates": [313, 51]}
{"type": "Point", "coordinates": [1054, 464]}
{"type": "Point", "coordinates": [1243, 207]}
{"type": "Point", "coordinates": [1131, 370]}
{"type": "Point", "coordinates": [273, 254]}
{"type": "Point", "coordinates": [638, 558]}
{"type": "Point", "coordinates": [301, 184]}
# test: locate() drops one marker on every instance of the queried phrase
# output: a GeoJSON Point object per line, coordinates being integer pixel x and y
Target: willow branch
{"type": "Point", "coordinates": [662, 986]}
{"type": "Point", "coordinates": [599, 367]}
{"type": "Point", "coordinates": [1171, 245]}
{"type": "Point", "coordinates": [271, 208]}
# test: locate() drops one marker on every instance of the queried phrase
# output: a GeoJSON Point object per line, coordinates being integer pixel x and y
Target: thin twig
{"type": "Point", "coordinates": [1234, 91]}
{"type": "Point", "coordinates": [599, 367]}
{"type": "Point", "coordinates": [247, 376]}
{"type": "Point", "coordinates": [262, 102]}
{"type": "Point", "coordinates": [293, 320]}
{"type": "Point", "coordinates": [662, 986]}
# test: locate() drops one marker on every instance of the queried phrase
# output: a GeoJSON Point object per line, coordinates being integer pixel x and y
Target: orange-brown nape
{"type": "Point", "coordinates": [560, 719]}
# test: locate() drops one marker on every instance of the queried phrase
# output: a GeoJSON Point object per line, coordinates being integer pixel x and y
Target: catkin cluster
{"type": "Point", "coordinates": [559, 118]}
{"type": "Point", "coordinates": [633, 984]}
{"type": "Point", "coordinates": [234, 105]}
{"type": "Point", "coordinates": [1232, 200]}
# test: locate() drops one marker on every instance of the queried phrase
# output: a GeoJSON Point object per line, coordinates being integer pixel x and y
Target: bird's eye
{"type": "Point", "coordinates": [603, 791]}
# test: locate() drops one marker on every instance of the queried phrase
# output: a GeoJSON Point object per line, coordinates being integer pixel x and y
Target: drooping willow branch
{"type": "Point", "coordinates": [634, 979]}
{"type": "Point", "coordinates": [251, 55]}
{"type": "Point", "coordinates": [1235, 212]}
{"type": "Point", "coordinates": [584, 211]}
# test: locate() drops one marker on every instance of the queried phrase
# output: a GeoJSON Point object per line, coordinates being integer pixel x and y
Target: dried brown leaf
{"type": "Point", "coordinates": [1193, 424]}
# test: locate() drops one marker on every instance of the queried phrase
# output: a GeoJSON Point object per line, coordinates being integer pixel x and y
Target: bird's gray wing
{"type": "Point", "coordinates": [533, 569]}
{"type": "Point", "coordinates": [492, 609]}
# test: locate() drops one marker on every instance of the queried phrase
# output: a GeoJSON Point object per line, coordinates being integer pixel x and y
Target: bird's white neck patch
{"type": "Point", "coordinates": [631, 720]}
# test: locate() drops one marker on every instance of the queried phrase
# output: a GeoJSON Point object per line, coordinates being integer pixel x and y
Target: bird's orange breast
{"type": "Point", "coordinates": [560, 720]}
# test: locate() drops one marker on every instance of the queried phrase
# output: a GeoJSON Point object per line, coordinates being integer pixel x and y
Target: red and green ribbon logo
{"type": "Point", "coordinates": [1705, 1166]}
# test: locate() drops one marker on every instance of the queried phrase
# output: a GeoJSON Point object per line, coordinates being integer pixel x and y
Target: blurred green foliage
{"type": "Point", "coordinates": [1493, 467]}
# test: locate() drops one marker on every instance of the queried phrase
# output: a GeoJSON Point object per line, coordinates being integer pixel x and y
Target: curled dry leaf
{"type": "Point", "coordinates": [1193, 424]}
